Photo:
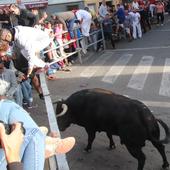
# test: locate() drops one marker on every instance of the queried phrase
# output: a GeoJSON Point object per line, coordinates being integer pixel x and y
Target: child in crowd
{"type": "Point", "coordinates": [58, 30]}
{"type": "Point", "coordinates": [48, 28]}
{"type": "Point", "coordinates": [128, 25]}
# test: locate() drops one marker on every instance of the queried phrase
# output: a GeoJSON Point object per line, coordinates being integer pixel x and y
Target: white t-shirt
{"type": "Point", "coordinates": [136, 17]}
{"type": "Point", "coordinates": [83, 15]}
{"type": "Point", "coordinates": [30, 41]}
{"type": "Point", "coordinates": [103, 10]}
{"type": "Point", "coordinates": [135, 5]}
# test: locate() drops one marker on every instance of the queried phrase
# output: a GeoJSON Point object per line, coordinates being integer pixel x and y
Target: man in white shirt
{"type": "Point", "coordinates": [136, 24]}
{"type": "Point", "coordinates": [85, 20]}
{"type": "Point", "coordinates": [103, 10]}
{"type": "Point", "coordinates": [135, 5]}
{"type": "Point", "coordinates": [30, 41]}
{"type": "Point", "coordinates": [84, 17]}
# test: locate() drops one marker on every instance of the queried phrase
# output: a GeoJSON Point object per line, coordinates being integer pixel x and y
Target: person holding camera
{"type": "Point", "coordinates": [11, 146]}
{"type": "Point", "coordinates": [36, 145]}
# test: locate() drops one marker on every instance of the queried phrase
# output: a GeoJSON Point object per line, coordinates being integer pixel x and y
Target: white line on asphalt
{"type": "Point", "coordinates": [116, 69]}
{"type": "Point", "coordinates": [96, 65]}
{"type": "Point", "coordinates": [150, 103]}
{"type": "Point", "coordinates": [162, 30]}
{"type": "Point", "coordinates": [165, 83]}
{"type": "Point", "coordinates": [143, 48]}
{"type": "Point", "coordinates": [140, 74]}
{"type": "Point", "coordinates": [157, 104]}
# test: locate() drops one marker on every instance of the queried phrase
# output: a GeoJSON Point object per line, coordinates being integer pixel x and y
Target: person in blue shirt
{"type": "Point", "coordinates": [107, 29]}
{"type": "Point", "coordinates": [120, 13]}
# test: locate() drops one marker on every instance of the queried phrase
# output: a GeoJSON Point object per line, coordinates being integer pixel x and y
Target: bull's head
{"type": "Point", "coordinates": [62, 114]}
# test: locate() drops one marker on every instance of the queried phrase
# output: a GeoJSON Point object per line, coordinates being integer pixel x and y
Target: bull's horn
{"type": "Point", "coordinates": [59, 100]}
{"type": "Point", "coordinates": [65, 108]}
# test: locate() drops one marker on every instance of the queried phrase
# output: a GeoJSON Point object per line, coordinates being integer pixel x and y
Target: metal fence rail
{"type": "Point", "coordinates": [76, 40]}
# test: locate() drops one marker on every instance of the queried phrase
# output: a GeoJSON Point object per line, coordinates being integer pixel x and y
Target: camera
{"type": "Point", "coordinates": [8, 127]}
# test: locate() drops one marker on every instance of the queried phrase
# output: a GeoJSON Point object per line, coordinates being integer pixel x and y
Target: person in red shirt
{"type": "Point", "coordinates": [160, 12]}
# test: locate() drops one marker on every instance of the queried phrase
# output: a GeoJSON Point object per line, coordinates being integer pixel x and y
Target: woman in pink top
{"type": "Point", "coordinates": [160, 12]}
{"type": "Point", "coordinates": [58, 31]}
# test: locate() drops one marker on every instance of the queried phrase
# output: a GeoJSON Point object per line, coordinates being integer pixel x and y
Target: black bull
{"type": "Point", "coordinates": [103, 110]}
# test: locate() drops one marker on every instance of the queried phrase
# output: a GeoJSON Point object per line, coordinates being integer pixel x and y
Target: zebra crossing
{"type": "Point", "coordinates": [138, 75]}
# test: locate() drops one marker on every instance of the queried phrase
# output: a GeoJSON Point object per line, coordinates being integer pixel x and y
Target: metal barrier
{"type": "Point", "coordinates": [59, 161]}
{"type": "Point", "coordinates": [76, 40]}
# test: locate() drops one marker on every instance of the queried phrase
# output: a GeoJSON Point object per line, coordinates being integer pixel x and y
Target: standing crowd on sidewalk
{"type": "Point", "coordinates": [131, 20]}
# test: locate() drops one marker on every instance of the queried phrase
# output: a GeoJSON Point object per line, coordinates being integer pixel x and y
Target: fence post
{"type": "Point", "coordinates": [78, 46]}
{"type": "Point", "coordinates": [104, 43]}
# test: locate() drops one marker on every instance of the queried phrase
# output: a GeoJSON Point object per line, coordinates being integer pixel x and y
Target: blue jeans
{"type": "Point", "coordinates": [18, 97]}
{"type": "Point", "coordinates": [26, 91]}
{"type": "Point", "coordinates": [70, 27]}
{"type": "Point", "coordinates": [33, 147]}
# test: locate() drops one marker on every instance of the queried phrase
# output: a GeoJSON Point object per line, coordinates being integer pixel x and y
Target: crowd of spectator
{"type": "Point", "coordinates": [130, 20]}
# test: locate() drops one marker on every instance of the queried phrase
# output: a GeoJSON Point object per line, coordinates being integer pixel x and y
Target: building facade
{"type": "Point", "coordinates": [64, 5]}
{"type": "Point", "coordinates": [94, 4]}
{"type": "Point", "coordinates": [28, 3]}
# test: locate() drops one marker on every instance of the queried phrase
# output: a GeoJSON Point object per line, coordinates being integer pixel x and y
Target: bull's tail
{"type": "Point", "coordinates": [167, 132]}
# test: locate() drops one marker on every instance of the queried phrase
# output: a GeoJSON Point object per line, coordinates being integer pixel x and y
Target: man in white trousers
{"type": "Point", "coordinates": [30, 41]}
{"type": "Point", "coordinates": [137, 32]}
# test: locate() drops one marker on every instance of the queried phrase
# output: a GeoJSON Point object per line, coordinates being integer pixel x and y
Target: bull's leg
{"type": "Point", "coordinates": [112, 144]}
{"type": "Point", "coordinates": [91, 136]}
{"type": "Point", "coordinates": [161, 149]}
{"type": "Point", "coordinates": [138, 154]}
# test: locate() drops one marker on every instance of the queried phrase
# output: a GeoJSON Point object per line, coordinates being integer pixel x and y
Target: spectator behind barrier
{"type": "Point", "coordinates": [67, 19]}
{"type": "Point", "coordinates": [30, 42]}
{"type": "Point", "coordinates": [25, 17]}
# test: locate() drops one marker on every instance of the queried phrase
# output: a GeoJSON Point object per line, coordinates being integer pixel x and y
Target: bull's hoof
{"type": "Point", "coordinates": [165, 166]}
{"type": "Point", "coordinates": [87, 150]}
{"type": "Point", "coordinates": [111, 147]}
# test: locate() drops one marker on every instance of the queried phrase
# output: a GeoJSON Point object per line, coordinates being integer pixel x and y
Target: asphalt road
{"type": "Point", "coordinates": [138, 69]}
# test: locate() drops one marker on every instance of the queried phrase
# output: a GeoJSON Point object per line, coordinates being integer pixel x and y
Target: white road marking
{"type": "Point", "coordinates": [96, 65]}
{"type": "Point", "coordinates": [116, 69]}
{"type": "Point", "coordinates": [162, 30]}
{"type": "Point", "coordinates": [165, 83]}
{"type": "Point", "coordinates": [139, 76]}
{"type": "Point", "coordinates": [150, 103]}
{"type": "Point", "coordinates": [157, 104]}
{"type": "Point", "coordinates": [143, 48]}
